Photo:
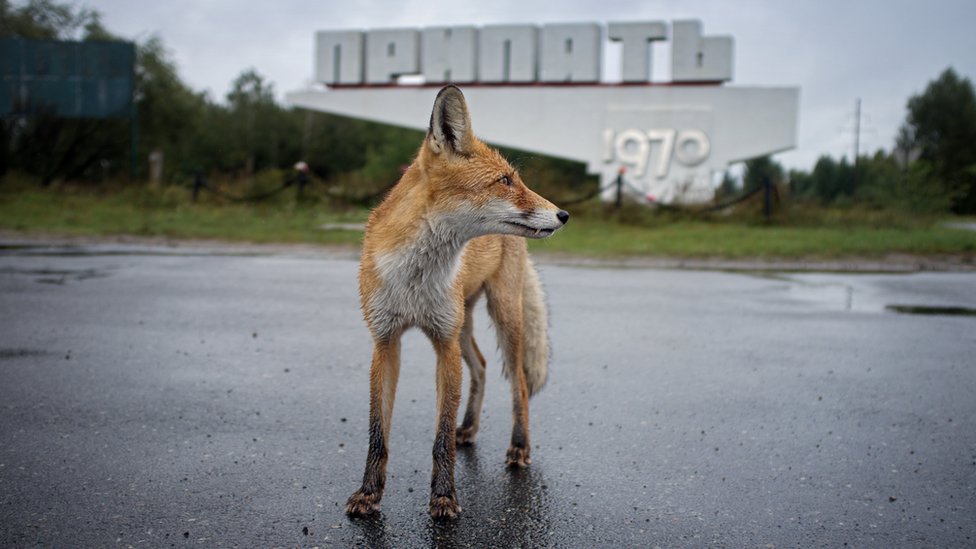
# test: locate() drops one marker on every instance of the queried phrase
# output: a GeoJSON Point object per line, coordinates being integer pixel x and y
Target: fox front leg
{"type": "Point", "coordinates": [443, 497]}
{"type": "Point", "coordinates": [383, 375]}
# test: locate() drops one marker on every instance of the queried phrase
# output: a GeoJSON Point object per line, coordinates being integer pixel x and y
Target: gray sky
{"type": "Point", "coordinates": [880, 50]}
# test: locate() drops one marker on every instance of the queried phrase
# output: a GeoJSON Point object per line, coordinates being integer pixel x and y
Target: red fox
{"type": "Point", "coordinates": [449, 232]}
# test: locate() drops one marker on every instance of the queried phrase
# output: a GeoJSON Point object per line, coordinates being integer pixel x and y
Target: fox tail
{"type": "Point", "coordinates": [535, 324]}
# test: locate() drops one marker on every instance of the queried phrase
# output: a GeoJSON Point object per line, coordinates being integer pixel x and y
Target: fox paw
{"type": "Point", "coordinates": [444, 507]}
{"type": "Point", "coordinates": [518, 457]}
{"type": "Point", "coordinates": [360, 504]}
{"type": "Point", "coordinates": [465, 435]}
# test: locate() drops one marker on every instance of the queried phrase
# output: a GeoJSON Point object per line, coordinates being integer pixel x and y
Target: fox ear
{"type": "Point", "coordinates": [450, 124]}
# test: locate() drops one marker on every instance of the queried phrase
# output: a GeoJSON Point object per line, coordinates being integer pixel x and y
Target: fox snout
{"type": "Point", "coordinates": [537, 223]}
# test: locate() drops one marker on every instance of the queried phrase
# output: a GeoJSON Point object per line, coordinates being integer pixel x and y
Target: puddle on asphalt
{"type": "Point", "coordinates": [821, 290]}
{"type": "Point", "coordinates": [931, 310]}
{"type": "Point", "coordinates": [869, 293]}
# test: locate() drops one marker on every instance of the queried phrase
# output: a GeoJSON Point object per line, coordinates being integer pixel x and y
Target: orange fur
{"type": "Point", "coordinates": [449, 232]}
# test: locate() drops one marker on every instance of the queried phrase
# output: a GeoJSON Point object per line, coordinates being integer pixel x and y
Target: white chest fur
{"type": "Point", "coordinates": [418, 283]}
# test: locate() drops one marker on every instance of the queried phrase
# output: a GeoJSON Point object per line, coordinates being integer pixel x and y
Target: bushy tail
{"type": "Point", "coordinates": [535, 324]}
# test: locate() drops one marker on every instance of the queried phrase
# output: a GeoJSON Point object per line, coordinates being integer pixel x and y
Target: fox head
{"type": "Point", "coordinates": [466, 176]}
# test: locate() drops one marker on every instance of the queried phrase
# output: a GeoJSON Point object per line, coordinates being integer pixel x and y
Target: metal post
{"type": "Point", "coordinates": [857, 142]}
{"type": "Point", "coordinates": [767, 197]}
{"type": "Point", "coordinates": [620, 189]}
{"type": "Point", "coordinates": [132, 152]}
{"type": "Point", "coordinates": [197, 184]}
{"type": "Point", "coordinates": [302, 168]}
{"type": "Point", "coordinates": [857, 130]}
{"type": "Point", "coordinates": [133, 131]}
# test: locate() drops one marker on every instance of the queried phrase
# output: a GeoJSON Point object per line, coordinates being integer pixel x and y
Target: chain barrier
{"type": "Point", "coordinates": [639, 195]}
{"type": "Point", "coordinates": [364, 200]}
{"type": "Point", "coordinates": [589, 196]}
{"type": "Point", "coordinates": [713, 207]}
{"type": "Point", "coordinates": [302, 179]}
{"type": "Point", "coordinates": [201, 184]}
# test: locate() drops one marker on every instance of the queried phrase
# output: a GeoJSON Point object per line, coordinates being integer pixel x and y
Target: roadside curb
{"type": "Point", "coordinates": [49, 244]}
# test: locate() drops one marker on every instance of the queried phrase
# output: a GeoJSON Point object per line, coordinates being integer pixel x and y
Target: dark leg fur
{"type": "Point", "coordinates": [383, 375]}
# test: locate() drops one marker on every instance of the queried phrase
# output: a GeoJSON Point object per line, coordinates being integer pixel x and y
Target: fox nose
{"type": "Point", "coordinates": [563, 216]}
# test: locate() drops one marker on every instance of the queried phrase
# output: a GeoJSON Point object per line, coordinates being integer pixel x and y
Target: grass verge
{"type": "Point", "coordinates": [702, 239]}
{"type": "Point", "coordinates": [169, 212]}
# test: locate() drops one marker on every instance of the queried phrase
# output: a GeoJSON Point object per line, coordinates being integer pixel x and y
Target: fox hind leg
{"type": "Point", "coordinates": [476, 366]}
{"type": "Point", "coordinates": [505, 308]}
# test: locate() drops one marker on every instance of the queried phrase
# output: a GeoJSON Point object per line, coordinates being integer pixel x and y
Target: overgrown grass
{"type": "Point", "coordinates": [169, 212]}
{"type": "Point", "coordinates": [690, 238]}
{"type": "Point", "coordinates": [798, 232]}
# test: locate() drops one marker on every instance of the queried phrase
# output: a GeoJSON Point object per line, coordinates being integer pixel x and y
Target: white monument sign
{"type": "Point", "coordinates": [539, 89]}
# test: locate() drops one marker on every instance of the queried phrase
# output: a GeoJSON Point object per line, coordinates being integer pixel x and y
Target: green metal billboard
{"type": "Point", "coordinates": [67, 79]}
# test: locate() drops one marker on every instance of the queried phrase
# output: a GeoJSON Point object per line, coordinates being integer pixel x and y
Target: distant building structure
{"type": "Point", "coordinates": [539, 88]}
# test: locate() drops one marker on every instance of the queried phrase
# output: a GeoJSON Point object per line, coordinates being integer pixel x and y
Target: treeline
{"type": "Point", "coordinates": [247, 133]}
{"type": "Point", "coordinates": [931, 169]}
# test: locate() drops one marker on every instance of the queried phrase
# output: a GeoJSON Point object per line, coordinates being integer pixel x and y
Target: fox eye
{"type": "Point", "coordinates": [505, 180]}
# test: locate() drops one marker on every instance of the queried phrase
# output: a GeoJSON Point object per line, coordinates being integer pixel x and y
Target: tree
{"type": "Point", "coordinates": [43, 19]}
{"type": "Point", "coordinates": [728, 188]}
{"type": "Point", "coordinates": [170, 115]}
{"type": "Point", "coordinates": [43, 144]}
{"type": "Point", "coordinates": [887, 183]}
{"type": "Point", "coordinates": [252, 108]}
{"type": "Point", "coordinates": [801, 184]}
{"type": "Point", "coordinates": [941, 128]}
{"type": "Point", "coordinates": [832, 180]}
{"type": "Point", "coordinates": [758, 170]}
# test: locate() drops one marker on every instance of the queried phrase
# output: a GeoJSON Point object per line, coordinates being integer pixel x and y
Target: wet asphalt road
{"type": "Point", "coordinates": [159, 400]}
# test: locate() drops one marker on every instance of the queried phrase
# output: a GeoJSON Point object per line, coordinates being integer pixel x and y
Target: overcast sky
{"type": "Point", "coordinates": [882, 51]}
